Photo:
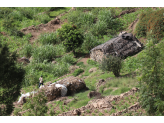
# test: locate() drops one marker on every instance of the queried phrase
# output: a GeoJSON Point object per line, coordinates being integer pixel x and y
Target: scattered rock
{"type": "Point", "coordinates": [102, 104]}
{"type": "Point", "coordinates": [92, 70]}
{"type": "Point", "coordinates": [76, 112]}
{"type": "Point", "coordinates": [101, 81]}
{"type": "Point", "coordinates": [94, 94]}
{"type": "Point", "coordinates": [121, 33]}
{"type": "Point", "coordinates": [53, 62]}
{"type": "Point", "coordinates": [48, 83]}
{"type": "Point", "coordinates": [23, 60]}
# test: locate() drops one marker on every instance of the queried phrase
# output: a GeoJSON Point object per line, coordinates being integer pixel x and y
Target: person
{"type": "Point", "coordinates": [41, 80]}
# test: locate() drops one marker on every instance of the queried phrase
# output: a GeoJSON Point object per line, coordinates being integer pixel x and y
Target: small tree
{"type": "Point", "coordinates": [36, 106]}
{"type": "Point", "coordinates": [112, 63]}
{"type": "Point", "coordinates": [71, 36]}
{"type": "Point", "coordinates": [152, 79]}
{"type": "Point", "coordinates": [11, 77]}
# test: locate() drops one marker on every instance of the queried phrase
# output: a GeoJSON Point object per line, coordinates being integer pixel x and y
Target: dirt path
{"type": "Point", "coordinates": [51, 26]}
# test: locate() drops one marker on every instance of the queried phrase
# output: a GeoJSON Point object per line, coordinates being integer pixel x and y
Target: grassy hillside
{"type": "Point", "coordinates": [97, 25]}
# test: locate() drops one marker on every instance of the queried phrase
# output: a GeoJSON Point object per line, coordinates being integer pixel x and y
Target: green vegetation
{"type": "Point", "coordinates": [112, 63]}
{"type": "Point", "coordinates": [152, 96]}
{"type": "Point", "coordinates": [86, 28]}
{"type": "Point", "coordinates": [11, 76]}
{"type": "Point", "coordinates": [71, 36]}
{"type": "Point", "coordinates": [77, 72]}
{"type": "Point", "coordinates": [81, 99]}
{"type": "Point", "coordinates": [55, 11]}
{"type": "Point", "coordinates": [151, 21]}
{"type": "Point", "coordinates": [48, 38]}
{"type": "Point", "coordinates": [45, 52]}
{"type": "Point", "coordinates": [36, 105]}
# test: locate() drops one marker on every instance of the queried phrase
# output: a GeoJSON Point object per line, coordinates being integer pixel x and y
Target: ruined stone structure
{"type": "Point", "coordinates": [126, 44]}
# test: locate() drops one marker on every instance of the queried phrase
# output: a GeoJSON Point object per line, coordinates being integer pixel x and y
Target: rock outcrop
{"type": "Point", "coordinates": [126, 44]}
{"type": "Point", "coordinates": [104, 103]}
{"type": "Point", "coordinates": [73, 84]}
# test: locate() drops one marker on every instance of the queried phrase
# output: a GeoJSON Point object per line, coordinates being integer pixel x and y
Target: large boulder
{"type": "Point", "coordinates": [60, 88]}
{"type": "Point", "coordinates": [73, 84]}
{"type": "Point", "coordinates": [126, 44]}
{"type": "Point", "coordinates": [95, 94]}
{"type": "Point", "coordinates": [51, 91]}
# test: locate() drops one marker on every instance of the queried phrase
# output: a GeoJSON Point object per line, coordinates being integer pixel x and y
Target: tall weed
{"type": "Point", "coordinates": [45, 52]}
{"type": "Point", "coordinates": [49, 38]}
{"type": "Point", "coordinates": [43, 18]}
{"type": "Point", "coordinates": [90, 41]}
{"type": "Point", "coordinates": [27, 50]}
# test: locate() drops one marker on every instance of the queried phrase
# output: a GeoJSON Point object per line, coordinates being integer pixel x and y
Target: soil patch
{"type": "Point", "coordinates": [51, 26]}
{"type": "Point", "coordinates": [35, 31]}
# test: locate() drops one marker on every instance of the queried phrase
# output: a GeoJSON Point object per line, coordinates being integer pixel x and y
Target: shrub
{"type": "Point", "coordinates": [90, 41]}
{"type": "Point", "coordinates": [27, 50]}
{"type": "Point", "coordinates": [48, 70]}
{"type": "Point", "coordinates": [31, 78]}
{"type": "Point", "coordinates": [69, 58]}
{"type": "Point", "coordinates": [11, 76]}
{"type": "Point", "coordinates": [81, 64]}
{"type": "Point", "coordinates": [28, 12]}
{"type": "Point", "coordinates": [87, 18]}
{"type": "Point", "coordinates": [16, 15]}
{"type": "Point", "coordinates": [100, 28]}
{"type": "Point", "coordinates": [71, 36]}
{"type": "Point", "coordinates": [43, 18]}
{"type": "Point", "coordinates": [60, 49]}
{"type": "Point", "coordinates": [106, 16]}
{"type": "Point", "coordinates": [77, 72]}
{"type": "Point", "coordinates": [45, 52]}
{"type": "Point", "coordinates": [49, 38]}
{"type": "Point", "coordinates": [16, 112]}
{"type": "Point", "coordinates": [36, 106]}
{"type": "Point", "coordinates": [112, 63]}
{"type": "Point", "coordinates": [151, 21]}
{"type": "Point", "coordinates": [152, 86]}
{"type": "Point", "coordinates": [5, 11]}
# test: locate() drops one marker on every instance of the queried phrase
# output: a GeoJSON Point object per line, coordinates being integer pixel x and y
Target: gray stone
{"type": "Point", "coordinates": [126, 44]}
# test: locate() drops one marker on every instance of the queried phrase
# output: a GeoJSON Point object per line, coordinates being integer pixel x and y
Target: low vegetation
{"type": "Point", "coordinates": [52, 54]}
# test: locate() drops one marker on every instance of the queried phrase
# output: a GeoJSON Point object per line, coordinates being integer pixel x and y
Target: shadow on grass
{"type": "Point", "coordinates": [84, 55]}
{"type": "Point", "coordinates": [132, 74]}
